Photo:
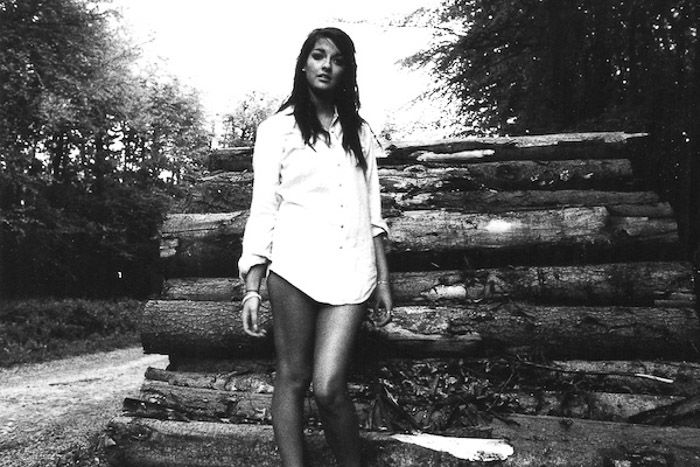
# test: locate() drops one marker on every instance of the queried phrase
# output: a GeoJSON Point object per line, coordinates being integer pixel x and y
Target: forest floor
{"type": "Point", "coordinates": [53, 413]}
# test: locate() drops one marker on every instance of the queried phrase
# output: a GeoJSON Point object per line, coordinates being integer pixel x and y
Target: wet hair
{"type": "Point", "coordinates": [346, 96]}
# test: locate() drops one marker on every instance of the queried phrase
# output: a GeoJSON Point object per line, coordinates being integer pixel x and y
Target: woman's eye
{"type": "Point", "coordinates": [317, 56]}
{"type": "Point", "coordinates": [339, 62]}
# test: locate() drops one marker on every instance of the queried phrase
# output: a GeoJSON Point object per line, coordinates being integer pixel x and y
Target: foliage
{"type": "Point", "coordinates": [537, 66]}
{"type": "Point", "coordinates": [241, 123]}
{"type": "Point", "coordinates": [39, 330]}
{"type": "Point", "coordinates": [88, 151]}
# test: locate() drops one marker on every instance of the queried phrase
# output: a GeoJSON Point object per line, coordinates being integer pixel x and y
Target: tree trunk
{"type": "Point", "coordinates": [209, 245]}
{"type": "Point", "coordinates": [612, 145]}
{"type": "Point", "coordinates": [441, 230]}
{"type": "Point", "coordinates": [134, 442]}
{"type": "Point", "coordinates": [222, 192]}
{"type": "Point", "coordinates": [214, 329]}
{"type": "Point", "coordinates": [685, 412]}
{"type": "Point", "coordinates": [202, 244]}
{"type": "Point", "coordinates": [210, 396]}
{"type": "Point", "coordinates": [538, 147]}
{"type": "Point", "coordinates": [647, 203]}
{"type": "Point", "coordinates": [680, 379]}
{"type": "Point", "coordinates": [631, 284]}
{"type": "Point", "coordinates": [613, 174]}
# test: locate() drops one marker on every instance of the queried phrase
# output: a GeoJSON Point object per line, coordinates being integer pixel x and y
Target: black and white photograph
{"type": "Point", "coordinates": [434, 233]}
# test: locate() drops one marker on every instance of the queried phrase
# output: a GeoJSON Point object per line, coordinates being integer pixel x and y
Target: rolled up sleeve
{"type": "Point", "coordinates": [374, 150]}
{"type": "Point", "coordinates": [257, 239]}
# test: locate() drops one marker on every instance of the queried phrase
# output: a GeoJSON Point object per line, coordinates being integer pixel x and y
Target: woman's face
{"type": "Point", "coordinates": [324, 66]}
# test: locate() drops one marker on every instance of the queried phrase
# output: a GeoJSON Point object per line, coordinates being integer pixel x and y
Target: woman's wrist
{"type": "Point", "coordinates": [250, 294]}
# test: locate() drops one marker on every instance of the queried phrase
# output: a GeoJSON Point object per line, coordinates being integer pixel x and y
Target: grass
{"type": "Point", "coordinates": [38, 330]}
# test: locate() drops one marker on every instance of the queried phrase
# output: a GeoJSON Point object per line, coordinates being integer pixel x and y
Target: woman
{"type": "Point", "coordinates": [315, 228]}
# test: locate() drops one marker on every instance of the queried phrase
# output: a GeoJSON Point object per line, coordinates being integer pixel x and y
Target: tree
{"type": "Point", "coordinates": [87, 148]}
{"type": "Point", "coordinates": [241, 123]}
{"type": "Point", "coordinates": [534, 66]}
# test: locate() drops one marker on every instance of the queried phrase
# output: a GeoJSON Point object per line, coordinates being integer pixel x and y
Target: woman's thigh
{"type": "Point", "coordinates": [294, 322]}
{"type": "Point", "coordinates": [336, 333]}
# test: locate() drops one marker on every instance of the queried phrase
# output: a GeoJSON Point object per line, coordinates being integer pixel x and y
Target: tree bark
{"type": "Point", "coordinates": [563, 146]}
{"type": "Point", "coordinates": [134, 442]}
{"type": "Point", "coordinates": [440, 230]}
{"type": "Point", "coordinates": [498, 201]}
{"type": "Point", "coordinates": [680, 379]}
{"type": "Point", "coordinates": [612, 174]}
{"type": "Point", "coordinates": [631, 284]}
{"type": "Point", "coordinates": [209, 245]}
{"type": "Point", "coordinates": [210, 396]}
{"type": "Point", "coordinates": [685, 412]}
{"type": "Point", "coordinates": [214, 329]}
{"type": "Point", "coordinates": [222, 192]}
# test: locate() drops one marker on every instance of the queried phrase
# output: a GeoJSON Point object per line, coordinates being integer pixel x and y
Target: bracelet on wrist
{"type": "Point", "coordinates": [383, 282]}
{"type": "Point", "coordinates": [250, 294]}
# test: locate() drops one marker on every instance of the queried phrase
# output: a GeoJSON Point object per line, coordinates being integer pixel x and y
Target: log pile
{"type": "Point", "coordinates": [541, 298]}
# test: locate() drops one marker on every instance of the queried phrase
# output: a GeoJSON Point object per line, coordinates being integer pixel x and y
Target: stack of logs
{"type": "Point", "coordinates": [540, 298]}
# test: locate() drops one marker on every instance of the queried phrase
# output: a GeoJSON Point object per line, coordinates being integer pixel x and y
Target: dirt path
{"type": "Point", "coordinates": [47, 409]}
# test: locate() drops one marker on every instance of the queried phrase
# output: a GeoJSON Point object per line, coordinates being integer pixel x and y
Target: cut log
{"type": "Point", "coordinates": [231, 159]}
{"type": "Point", "coordinates": [560, 141]}
{"type": "Point", "coordinates": [221, 192]}
{"type": "Point", "coordinates": [607, 406]}
{"type": "Point", "coordinates": [200, 329]}
{"type": "Point", "coordinates": [170, 389]}
{"type": "Point", "coordinates": [610, 145]}
{"type": "Point", "coordinates": [259, 382]}
{"type": "Point", "coordinates": [680, 379]}
{"type": "Point", "coordinates": [209, 245]}
{"type": "Point", "coordinates": [643, 203]}
{"type": "Point", "coordinates": [202, 244]}
{"type": "Point", "coordinates": [214, 329]}
{"type": "Point", "coordinates": [209, 404]}
{"type": "Point", "coordinates": [134, 442]}
{"type": "Point", "coordinates": [644, 377]}
{"type": "Point", "coordinates": [441, 230]}
{"type": "Point", "coordinates": [631, 284]}
{"type": "Point", "coordinates": [685, 412]}
{"type": "Point", "coordinates": [613, 174]}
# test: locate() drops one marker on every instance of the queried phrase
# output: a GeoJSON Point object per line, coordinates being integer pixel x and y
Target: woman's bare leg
{"type": "Point", "coordinates": [294, 322]}
{"type": "Point", "coordinates": [336, 330]}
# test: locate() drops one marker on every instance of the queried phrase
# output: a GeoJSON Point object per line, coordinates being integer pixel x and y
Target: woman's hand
{"type": "Point", "coordinates": [382, 299]}
{"type": "Point", "coordinates": [249, 316]}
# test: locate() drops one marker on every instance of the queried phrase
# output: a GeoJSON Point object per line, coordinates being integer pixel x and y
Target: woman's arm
{"type": "Point", "coordinates": [257, 240]}
{"type": "Point", "coordinates": [382, 294]}
{"type": "Point", "coordinates": [251, 306]}
{"type": "Point", "coordinates": [380, 230]}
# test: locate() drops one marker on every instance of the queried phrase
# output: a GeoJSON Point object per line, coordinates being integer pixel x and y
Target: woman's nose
{"type": "Point", "coordinates": [326, 64]}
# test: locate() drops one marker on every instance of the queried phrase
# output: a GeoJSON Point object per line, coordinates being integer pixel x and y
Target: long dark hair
{"type": "Point", "coordinates": [346, 97]}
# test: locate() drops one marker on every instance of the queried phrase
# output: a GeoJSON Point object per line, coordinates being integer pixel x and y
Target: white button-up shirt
{"type": "Point", "coordinates": [314, 212]}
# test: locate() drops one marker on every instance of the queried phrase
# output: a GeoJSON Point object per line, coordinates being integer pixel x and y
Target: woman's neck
{"type": "Point", "coordinates": [324, 108]}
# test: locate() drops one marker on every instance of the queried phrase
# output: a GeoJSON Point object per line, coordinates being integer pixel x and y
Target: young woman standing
{"type": "Point", "coordinates": [315, 229]}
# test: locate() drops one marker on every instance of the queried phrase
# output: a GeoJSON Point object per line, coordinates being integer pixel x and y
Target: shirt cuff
{"type": "Point", "coordinates": [379, 229]}
{"type": "Point", "coordinates": [246, 262]}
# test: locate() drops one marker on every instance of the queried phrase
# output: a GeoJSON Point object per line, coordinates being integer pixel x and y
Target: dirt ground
{"type": "Point", "coordinates": [49, 409]}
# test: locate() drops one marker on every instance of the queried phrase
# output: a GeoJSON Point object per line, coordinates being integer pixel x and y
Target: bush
{"type": "Point", "coordinates": [76, 244]}
{"type": "Point", "coordinates": [44, 329]}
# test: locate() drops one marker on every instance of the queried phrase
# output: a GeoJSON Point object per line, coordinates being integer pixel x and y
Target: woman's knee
{"type": "Point", "coordinates": [329, 394]}
{"type": "Point", "coordinates": [293, 377]}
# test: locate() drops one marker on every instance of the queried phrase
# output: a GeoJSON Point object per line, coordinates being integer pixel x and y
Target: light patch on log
{"type": "Point", "coordinates": [196, 225]}
{"type": "Point", "coordinates": [474, 154]}
{"type": "Point", "coordinates": [471, 449]}
{"type": "Point", "coordinates": [168, 247]}
{"type": "Point", "coordinates": [523, 141]}
{"type": "Point", "coordinates": [440, 230]}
